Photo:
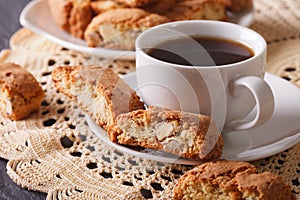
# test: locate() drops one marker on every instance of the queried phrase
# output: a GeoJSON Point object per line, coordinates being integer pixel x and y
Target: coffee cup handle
{"type": "Point", "coordinates": [264, 99]}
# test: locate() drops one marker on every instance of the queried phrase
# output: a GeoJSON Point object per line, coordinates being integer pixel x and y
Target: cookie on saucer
{"type": "Point", "coordinates": [98, 91]}
{"type": "Point", "coordinates": [183, 134]}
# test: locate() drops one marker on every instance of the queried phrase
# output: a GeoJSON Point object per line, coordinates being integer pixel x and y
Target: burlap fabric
{"type": "Point", "coordinates": [55, 152]}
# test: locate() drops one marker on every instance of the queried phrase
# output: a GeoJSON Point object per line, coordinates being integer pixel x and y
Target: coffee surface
{"type": "Point", "coordinates": [201, 51]}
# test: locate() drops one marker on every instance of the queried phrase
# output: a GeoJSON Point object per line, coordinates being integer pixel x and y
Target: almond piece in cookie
{"type": "Point", "coordinates": [97, 91]}
{"type": "Point", "coordinates": [20, 93]}
{"type": "Point", "coordinates": [230, 180]}
{"type": "Point", "coordinates": [184, 134]}
{"type": "Point", "coordinates": [198, 9]}
{"type": "Point", "coordinates": [119, 28]}
{"type": "Point", "coordinates": [72, 16]}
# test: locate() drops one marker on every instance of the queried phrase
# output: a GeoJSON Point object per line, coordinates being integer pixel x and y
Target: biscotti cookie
{"type": "Point", "coordinates": [160, 7]}
{"type": "Point", "coordinates": [102, 6]}
{"type": "Point", "coordinates": [120, 27]}
{"type": "Point", "coordinates": [240, 5]}
{"type": "Point", "coordinates": [230, 180]}
{"type": "Point", "coordinates": [136, 3]}
{"type": "Point", "coordinates": [184, 134]}
{"type": "Point", "coordinates": [72, 16]}
{"type": "Point", "coordinates": [20, 93]}
{"type": "Point", "coordinates": [97, 91]}
{"type": "Point", "coordinates": [199, 9]}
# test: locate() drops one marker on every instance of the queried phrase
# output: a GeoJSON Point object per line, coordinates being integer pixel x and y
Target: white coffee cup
{"type": "Point", "coordinates": [228, 93]}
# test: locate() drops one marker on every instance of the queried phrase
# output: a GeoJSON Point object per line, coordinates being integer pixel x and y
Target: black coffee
{"type": "Point", "coordinates": [201, 51]}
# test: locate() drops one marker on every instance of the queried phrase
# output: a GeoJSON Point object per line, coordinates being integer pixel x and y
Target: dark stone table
{"type": "Point", "coordinates": [9, 23]}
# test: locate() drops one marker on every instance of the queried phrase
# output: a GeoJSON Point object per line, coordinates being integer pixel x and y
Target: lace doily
{"type": "Point", "coordinates": [55, 152]}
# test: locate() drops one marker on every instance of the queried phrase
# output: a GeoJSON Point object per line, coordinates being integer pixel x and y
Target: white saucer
{"type": "Point", "coordinates": [36, 17]}
{"type": "Point", "coordinates": [276, 135]}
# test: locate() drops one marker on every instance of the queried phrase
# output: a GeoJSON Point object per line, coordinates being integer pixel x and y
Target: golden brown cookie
{"type": "Point", "coordinates": [120, 27]}
{"type": "Point", "coordinates": [184, 134]}
{"type": "Point", "coordinates": [136, 3]}
{"type": "Point", "coordinates": [20, 93]}
{"type": "Point", "coordinates": [72, 16]}
{"type": "Point", "coordinates": [230, 180]}
{"type": "Point", "coordinates": [160, 7]}
{"type": "Point", "coordinates": [101, 6]}
{"type": "Point", "coordinates": [240, 5]}
{"type": "Point", "coordinates": [60, 11]}
{"type": "Point", "coordinates": [198, 9]}
{"type": "Point", "coordinates": [97, 91]}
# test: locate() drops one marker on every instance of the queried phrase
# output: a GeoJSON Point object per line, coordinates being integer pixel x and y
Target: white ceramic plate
{"type": "Point", "coordinates": [281, 132]}
{"type": "Point", "coordinates": [36, 17]}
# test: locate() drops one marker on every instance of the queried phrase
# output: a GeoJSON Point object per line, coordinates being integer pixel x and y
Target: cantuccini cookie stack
{"type": "Point", "coordinates": [116, 23]}
{"type": "Point", "coordinates": [117, 108]}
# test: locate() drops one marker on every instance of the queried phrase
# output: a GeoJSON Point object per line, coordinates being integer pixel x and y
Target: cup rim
{"type": "Point", "coordinates": [170, 24]}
